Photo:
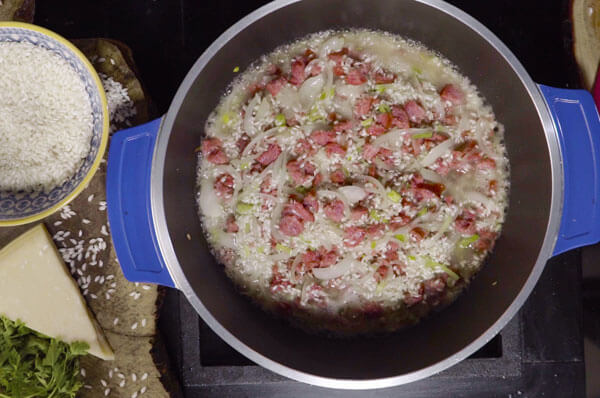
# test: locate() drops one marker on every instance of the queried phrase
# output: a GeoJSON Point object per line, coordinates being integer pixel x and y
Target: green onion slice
{"type": "Point", "coordinates": [465, 242]}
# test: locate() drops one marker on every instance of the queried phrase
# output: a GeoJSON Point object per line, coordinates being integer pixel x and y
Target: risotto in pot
{"type": "Point", "coordinates": [352, 181]}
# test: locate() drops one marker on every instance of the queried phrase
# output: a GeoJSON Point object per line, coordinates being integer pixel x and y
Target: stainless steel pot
{"type": "Point", "coordinates": [158, 238]}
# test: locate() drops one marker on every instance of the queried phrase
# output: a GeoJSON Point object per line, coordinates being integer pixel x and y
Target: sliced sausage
{"type": "Point", "coordinates": [356, 77]}
{"type": "Point", "coordinates": [275, 85]}
{"type": "Point", "coordinates": [295, 208]}
{"type": "Point", "coordinates": [337, 176]}
{"type": "Point", "coordinates": [465, 222]}
{"type": "Point", "coordinates": [381, 273]}
{"type": "Point", "coordinates": [363, 106]}
{"type": "Point", "coordinates": [270, 155]}
{"type": "Point", "coordinates": [335, 210]}
{"type": "Point", "coordinates": [382, 77]}
{"type": "Point", "coordinates": [375, 130]}
{"type": "Point", "coordinates": [322, 137]}
{"type": "Point", "coordinates": [343, 126]}
{"type": "Point", "coordinates": [334, 148]}
{"type": "Point", "coordinates": [370, 151]}
{"type": "Point", "coordinates": [418, 234]}
{"type": "Point", "coordinates": [224, 186]}
{"type": "Point", "coordinates": [291, 225]}
{"type": "Point", "coordinates": [415, 112]}
{"type": "Point", "coordinates": [400, 117]}
{"type": "Point", "coordinates": [211, 149]}
{"type": "Point", "coordinates": [486, 240]}
{"type": "Point", "coordinates": [358, 212]}
{"type": "Point", "coordinates": [353, 236]}
{"type": "Point", "coordinates": [452, 94]}
{"type": "Point", "coordinates": [298, 75]}
{"type": "Point", "coordinates": [384, 119]}
{"type": "Point", "coordinates": [242, 142]}
{"type": "Point", "coordinates": [231, 225]}
{"type": "Point", "coordinates": [311, 203]}
{"type": "Point", "coordinates": [300, 171]}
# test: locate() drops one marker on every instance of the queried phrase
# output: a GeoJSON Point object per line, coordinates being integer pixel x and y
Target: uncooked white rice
{"type": "Point", "coordinates": [45, 119]}
{"type": "Point", "coordinates": [120, 107]}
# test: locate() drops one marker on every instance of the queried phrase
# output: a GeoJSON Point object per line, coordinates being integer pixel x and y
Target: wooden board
{"type": "Point", "coordinates": [17, 10]}
{"type": "Point", "coordinates": [585, 19]}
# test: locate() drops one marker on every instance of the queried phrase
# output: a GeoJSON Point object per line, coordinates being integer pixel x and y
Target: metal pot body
{"type": "Point", "coordinates": [447, 337]}
{"type": "Point", "coordinates": [495, 295]}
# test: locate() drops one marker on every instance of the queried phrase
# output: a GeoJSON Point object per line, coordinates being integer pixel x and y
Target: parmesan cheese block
{"type": "Point", "coordinates": [36, 288]}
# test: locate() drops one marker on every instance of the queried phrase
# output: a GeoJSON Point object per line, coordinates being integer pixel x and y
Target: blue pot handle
{"type": "Point", "coordinates": [128, 202]}
{"type": "Point", "coordinates": [578, 124]}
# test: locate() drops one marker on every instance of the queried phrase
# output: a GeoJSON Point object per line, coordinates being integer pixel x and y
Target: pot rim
{"type": "Point", "coordinates": [170, 257]}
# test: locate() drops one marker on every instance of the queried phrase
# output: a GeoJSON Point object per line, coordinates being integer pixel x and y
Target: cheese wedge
{"type": "Point", "coordinates": [36, 288]}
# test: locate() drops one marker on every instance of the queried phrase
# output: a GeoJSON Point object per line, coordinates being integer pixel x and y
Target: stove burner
{"type": "Point", "coordinates": [540, 350]}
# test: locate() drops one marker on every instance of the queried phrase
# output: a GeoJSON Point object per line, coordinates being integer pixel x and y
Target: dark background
{"type": "Point", "coordinates": [167, 36]}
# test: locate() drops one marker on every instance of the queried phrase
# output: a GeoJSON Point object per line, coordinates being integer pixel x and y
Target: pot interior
{"type": "Point", "coordinates": [441, 335]}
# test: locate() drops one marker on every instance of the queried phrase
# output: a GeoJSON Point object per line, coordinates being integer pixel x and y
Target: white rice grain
{"type": "Point", "coordinates": [45, 118]}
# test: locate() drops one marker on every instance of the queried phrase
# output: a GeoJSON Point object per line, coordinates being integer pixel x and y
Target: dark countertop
{"type": "Point", "coordinates": [167, 36]}
{"type": "Point", "coordinates": [544, 357]}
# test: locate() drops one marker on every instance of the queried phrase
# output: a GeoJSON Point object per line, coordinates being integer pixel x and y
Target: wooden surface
{"type": "Point", "coordinates": [17, 10]}
{"type": "Point", "coordinates": [585, 17]}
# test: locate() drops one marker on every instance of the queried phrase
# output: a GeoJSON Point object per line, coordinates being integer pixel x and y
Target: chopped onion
{"type": "Point", "coordinates": [475, 196]}
{"type": "Point", "coordinates": [349, 92]}
{"type": "Point", "coordinates": [266, 171]}
{"type": "Point", "coordinates": [263, 111]}
{"type": "Point", "coordinates": [335, 271]}
{"type": "Point", "coordinates": [443, 228]}
{"type": "Point", "coordinates": [379, 189]}
{"type": "Point", "coordinates": [405, 230]}
{"type": "Point", "coordinates": [277, 168]}
{"type": "Point", "coordinates": [276, 215]}
{"type": "Point", "coordinates": [438, 108]}
{"type": "Point", "coordinates": [266, 197]}
{"type": "Point", "coordinates": [382, 165]}
{"type": "Point", "coordinates": [294, 268]}
{"type": "Point", "coordinates": [328, 77]}
{"type": "Point", "coordinates": [279, 256]}
{"type": "Point", "coordinates": [333, 44]}
{"type": "Point", "coordinates": [210, 204]}
{"type": "Point", "coordinates": [280, 172]}
{"type": "Point", "coordinates": [430, 175]}
{"type": "Point", "coordinates": [344, 108]}
{"type": "Point", "coordinates": [226, 239]}
{"type": "Point", "coordinates": [289, 100]}
{"type": "Point", "coordinates": [353, 193]}
{"type": "Point", "coordinates": [436, 152]}
{"type": "Point", "coordinates": [249, 118]}
{"type": "Point", "coordinates": [258, 139]}
{"type": "Point", "coordinates": [321, 160]}
{"type": "Point", "coordinates": [311, 89]}
{"type": "Point", "coordinates": [395, 136]}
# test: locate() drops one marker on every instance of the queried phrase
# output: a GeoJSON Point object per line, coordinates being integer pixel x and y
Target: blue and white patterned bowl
{"type": "Point", "coordinates": [24, 207]}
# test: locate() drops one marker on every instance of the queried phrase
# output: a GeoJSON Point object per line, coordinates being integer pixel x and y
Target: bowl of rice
{"type": "Point", "coordinates": [54, 122]}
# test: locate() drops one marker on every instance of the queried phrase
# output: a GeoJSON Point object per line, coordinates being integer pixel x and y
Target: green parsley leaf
{"type": "Point", "coordinates": [34, 365]}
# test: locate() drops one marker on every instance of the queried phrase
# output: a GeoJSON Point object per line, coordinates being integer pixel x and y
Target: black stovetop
{"type": "Point", "coordinates": [540, 353]}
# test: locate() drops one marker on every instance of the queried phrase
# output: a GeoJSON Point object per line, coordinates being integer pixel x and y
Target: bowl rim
{"type": "Point", "coordinates": [105, 124]}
